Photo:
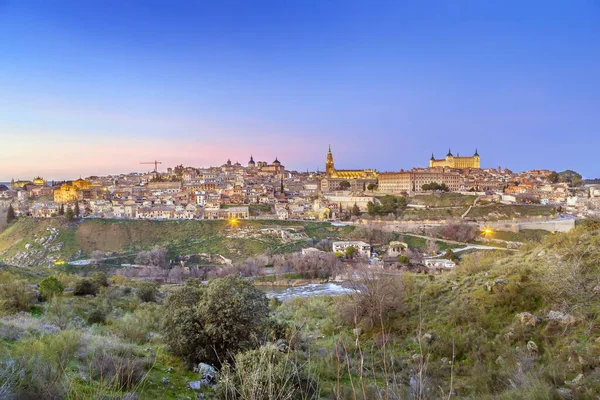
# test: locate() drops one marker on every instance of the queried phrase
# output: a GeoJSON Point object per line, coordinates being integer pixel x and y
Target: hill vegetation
{"type": "Point", "coordinates": [502, 325]}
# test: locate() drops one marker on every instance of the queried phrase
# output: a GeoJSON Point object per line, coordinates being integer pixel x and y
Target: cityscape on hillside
{"type": "Point", "coordinates": [299, 200]}
{"type": "Point", "coordinates": [260, 189]}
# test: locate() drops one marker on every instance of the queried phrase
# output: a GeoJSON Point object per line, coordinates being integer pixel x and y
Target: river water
{"type": "Point", "coordinates": [313, 289]}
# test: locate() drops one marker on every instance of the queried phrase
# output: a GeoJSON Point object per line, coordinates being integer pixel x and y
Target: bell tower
{"type": "Point", "coordinates": [329, 168]}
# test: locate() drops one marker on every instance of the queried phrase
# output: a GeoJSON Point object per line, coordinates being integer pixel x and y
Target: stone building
{"type": "Point", "coordinates": [451, 161]}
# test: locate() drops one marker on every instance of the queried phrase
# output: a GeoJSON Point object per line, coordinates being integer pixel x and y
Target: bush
{"type": "Point", "coordinates": [84, 287]}
{"type": "Point", "coordinates": [157, 257]}
{"type": "Point", "coordinates": [100, 279]}
{"type": "Point", "coordinates": [137, 326]}
{"type": "Point", "coordinates": [50, 287]}
{"type": "Point", "coordinates": [40, 365]}
{"type": "Point", "coordinates": [213, 323]}
{"type": "Point", "coordinates": [97, 315]}
{"type": "Point", "coordinates": [374, 300]}
{"type": "Point", "coordinates": [15, 296]}
{"type": "Point", "coordinates": [147, 292]}
{"type": "Point", "coordinates": [266, 373]}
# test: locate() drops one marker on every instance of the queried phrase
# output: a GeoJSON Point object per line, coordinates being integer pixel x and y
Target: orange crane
{"type": "Point", "coordinates": [155, 164]}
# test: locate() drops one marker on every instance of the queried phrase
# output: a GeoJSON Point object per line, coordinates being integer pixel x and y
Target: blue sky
{"type": "Point", "coordinates": [94, 87]}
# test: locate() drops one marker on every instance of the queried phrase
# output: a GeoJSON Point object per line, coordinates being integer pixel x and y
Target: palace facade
{"type": "Point", "coordinates": [457, 162]}
{"type": "Point", "coordinates": [406, 182]}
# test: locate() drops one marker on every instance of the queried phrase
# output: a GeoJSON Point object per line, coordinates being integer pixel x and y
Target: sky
{"type": "Point", "coordinates": [96, 87]}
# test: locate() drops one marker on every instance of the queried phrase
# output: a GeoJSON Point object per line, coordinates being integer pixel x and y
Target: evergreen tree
{"type": "Point", "coordinates": [61, 210]}
{"type": "Point", "coordinates": [69, 214]}
{"type": "Point", "coordinates": [355, 210]}
{"type": "Point", "coordinates": [10, 215]}
{"type": "Point", "coordinates": [76, 210]}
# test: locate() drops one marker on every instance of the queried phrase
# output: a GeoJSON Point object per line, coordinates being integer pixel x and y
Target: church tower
{"type": "Point", "coordinates": [329, 163]}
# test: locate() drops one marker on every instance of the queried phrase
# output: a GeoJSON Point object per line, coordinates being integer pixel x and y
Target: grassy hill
{"type": "Point", "coordinates": [81, 238]}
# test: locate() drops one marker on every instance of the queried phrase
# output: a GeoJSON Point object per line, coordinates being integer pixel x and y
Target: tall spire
{"type": "Point", "coordinates": [449, 153]}
{"type": "Point", "coordinates": [476, 153]}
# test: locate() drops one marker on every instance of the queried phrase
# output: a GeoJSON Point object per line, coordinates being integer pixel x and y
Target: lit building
{"type": "Point", "coordinates": [451, 161]}
{"type": "Point", "coordinates": [70, 192]}
{"type": "Point", "coordinates": [347, 174]}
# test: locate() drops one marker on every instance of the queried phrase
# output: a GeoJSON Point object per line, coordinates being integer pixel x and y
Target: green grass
{"type": "Point", "coordinates": [527, 235]}
{"type": "Point", "coordinates": [502, 211]}
{"type": "Point", "coordinates": [443, 200]}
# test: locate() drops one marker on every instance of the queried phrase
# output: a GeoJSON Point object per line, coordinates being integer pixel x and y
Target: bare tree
{"type": "Point", "coordinates": [157, 257]}
{"type": "Point", "coordinates": [431, 247]}
{"type": "Point", "coordinates": [96, 257]}
{"type": "Point", "coordinates": [374, 299]}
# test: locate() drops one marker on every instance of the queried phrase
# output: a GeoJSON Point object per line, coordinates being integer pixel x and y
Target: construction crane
{"type": "Point", "coordinates": [155, 164]}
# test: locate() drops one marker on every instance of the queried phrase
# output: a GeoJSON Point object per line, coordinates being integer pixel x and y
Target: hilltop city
{"type": "Point", "coordinates": [268, 190]}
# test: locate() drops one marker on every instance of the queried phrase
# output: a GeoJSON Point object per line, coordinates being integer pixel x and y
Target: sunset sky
{"type": "Point", "coordinates": [95, 87]}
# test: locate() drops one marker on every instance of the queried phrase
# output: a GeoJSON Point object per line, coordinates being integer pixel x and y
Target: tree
{"type": "Point", "coordinates": [96, 257]}
{"type": "Point", "coordinates": [552, 177]}
{"type": "Point", "coordinates": [69, 214]}
{"type": "Point", "coordinates": [147, 292]}
{"type": "Point", "coordinates": [100, 279]}
{"type": "Point", "coordinates": [355, 210]}
{"type": "Point", "coordinates": [372, 208]}
{"type": "Point", "coordinates": [431, 247]}
{"type": "Point", "coordinates": [10, 214]}
{"type": "Point", "coordinates": [61, 210]}
{"type": "Point", "coordinates": [157, 257]}
{"type": "Point", "coordinates": [84, 287]}
{"type": "Point", "coordinates": [215, 322]}
{"type": "Point", "coordinates": [571, 177]}
{"type": "Point", "coordinates": [375, 300]}
{"type": "Point", "coordinates": [372, 187]}
{"type": "Point", "coordinates": [350, 252]}
{"type": "Point", "coordinates": [345, 185]}
{"type": "Point", "coordinates": [50, 287]}
{"type": "Point", "coordinates": [449, 255]}
{"type": "Point", "coordinates": [76, 210]}
{"type": "Point", "coordinates": [404, 260]}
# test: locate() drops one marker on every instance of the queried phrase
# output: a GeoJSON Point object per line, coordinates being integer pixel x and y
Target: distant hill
{"type": "Point", "coordinates": [3, 188]}
{"type": "Point", "coordinates": [31, 242]}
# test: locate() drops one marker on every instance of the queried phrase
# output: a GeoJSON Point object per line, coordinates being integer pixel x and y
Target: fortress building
{"type": "Point", "coordinates": [456, 162]}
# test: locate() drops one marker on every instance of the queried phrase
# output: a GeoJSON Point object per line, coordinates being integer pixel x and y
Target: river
{"type": "Point", "coordinates": [313, 289]}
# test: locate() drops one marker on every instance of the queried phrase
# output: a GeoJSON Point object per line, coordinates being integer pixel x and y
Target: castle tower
{"type": "Point", "coordinates": [477, 160]}
{"type": "Point", "coordinates": [450, 159]}
{"type": "Point", "coordinates": [329, 168]}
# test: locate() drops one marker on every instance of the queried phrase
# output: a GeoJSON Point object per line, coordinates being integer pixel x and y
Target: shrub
{"type": "Point", "coordinates": [374, 300]}
{"type": "Point", "coordinates": [58, 312]}
{"type": "Point", "coordinates": [96, 315]}
{"type": "Point", "coordinates": [15, 296]}
{"type": "Point", "coordinates": [213, 323]}
{"type": "Point", "coordinates": [137, 326]}
{"type": "Point", "coordinates": [266, 373]}
{"type": "Point", "coordinates": [147, 291]}
{"type": "Point", "coordinates": [50, 287]}
{"type": "Point", "coordinates": [100, 279]}
{"type": "Point", "coordinates": [157, 257]}
{"type": "Point", "coordinates": [41, 364]}
{"type": "Point", "coordinates": [84, 287]}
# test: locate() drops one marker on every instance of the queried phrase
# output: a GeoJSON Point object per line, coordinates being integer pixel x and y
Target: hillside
{"type": "Point", "coordinates": [42, 241]}
{"type": "Point", "coordinates": [502, 325]}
